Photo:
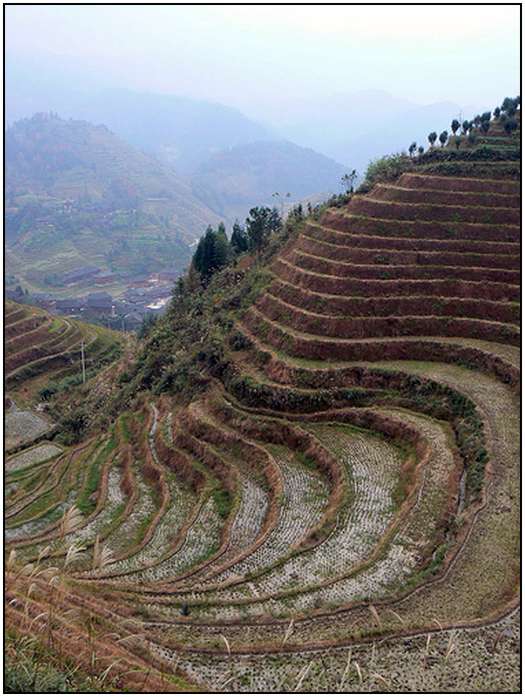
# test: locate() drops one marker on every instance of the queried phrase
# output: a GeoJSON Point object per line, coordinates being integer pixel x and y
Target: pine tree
{"type": "Point", "coordinates": [261, 223]}
{"type": "Point", "coordinates": [202, 256]}
{"type": "Point", "coordinates": [220, 254]}
{"type": "Point", "coordinates": [212, 253]}
{"type": "Point", "coordinates": [239, 239]}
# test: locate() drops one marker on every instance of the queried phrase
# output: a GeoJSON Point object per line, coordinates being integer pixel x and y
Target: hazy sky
{"type": "Point", "coordinates": [261, 58]}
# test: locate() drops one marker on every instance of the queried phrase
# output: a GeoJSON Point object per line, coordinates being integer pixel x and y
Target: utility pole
{"type": "Point", "coordinates": [83, 361]}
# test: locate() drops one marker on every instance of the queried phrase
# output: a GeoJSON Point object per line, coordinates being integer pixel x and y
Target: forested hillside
{"type": "Point", "coordinates": [77, 195]}
{"type": "Point", "coordinates": [264, 173]}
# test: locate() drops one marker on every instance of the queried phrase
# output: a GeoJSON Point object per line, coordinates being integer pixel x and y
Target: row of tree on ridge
{"type": "Point", "coordinates": [214, 250]}
{"type": "Point", "coordinates": [470, 129]}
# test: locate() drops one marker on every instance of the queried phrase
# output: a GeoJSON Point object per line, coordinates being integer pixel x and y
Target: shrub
{"type": "Point", "coordinates": [73, 426]}
{"type": "Point", "coordinates": [385, 169]}
{"type": "Point", "coordinates": [239, 341]}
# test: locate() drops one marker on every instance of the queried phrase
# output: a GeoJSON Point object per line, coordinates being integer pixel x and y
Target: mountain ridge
{"type": "Point", "coordinates": [65, 178]}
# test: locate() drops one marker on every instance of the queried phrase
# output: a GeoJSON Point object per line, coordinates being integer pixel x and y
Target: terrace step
{"type": "Point", "coordinates": [349, 222]}
{"type": "Point", "coordinates": [320, 234]}
{"type": "Point", "coordinates": [56, 343]}
{"type": "Point", "coordinates": [365, 287]}
{"type": "Point", "coordinates": [263, 533]}
{"type": "Point", "coordinates": [341, 563]}
{"type": "Point", "coordinates": [159, 546]}
{"type": "Point", "coordinates": [484, 541]}
{"type": "Point", "coordinates": [355, 306]}
{"type": "Point", "coordinates": [166, 572]}
{"type": "Point", "coordinates": [394, 257]}
{"type": "Point", "coordinates": [45, 503]}
{"type": "Point", "coordinates": [364, 327]}
{"type": "Point", "coordinates": [416, 271]}
{"type": "Point", "coordinates": [500, 360]}
{"type": "Point", "coordinates": [35, 336]}
{"type": "Point", "coordinates": [302, 345]}
{"type": "Point", "coordinates": [427, 181]}
{"type": "Point", "coordinates": [377, 208]}
{"type": "Point", "coordinates": [297, 515]}
{"type": "Point", "coordinates": [14, 315]}
{"type": "Point", "coordinates": [201, 539]}
{"type": "Point", "coordinates": [502, 169]}
{"type": "Point", "coordinates": [397, 193]}
{"type": "Point", "coordinates": [23, 325]}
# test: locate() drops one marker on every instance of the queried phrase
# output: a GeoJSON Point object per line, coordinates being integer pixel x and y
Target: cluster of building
{"type": "Point", "coordinates": [144, 296]}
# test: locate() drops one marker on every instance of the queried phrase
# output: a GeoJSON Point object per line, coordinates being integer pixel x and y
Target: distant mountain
{"type": "Point", "coordinates": [233, 181]}
{"type": "Point", "coordinates": [322, 122]}
{"type": "Point", "coordinates": [76, 195]}
{"type": "Point", "coordinates": [367, 124]}
{"type": "Point", "coordinates": [182, 131]}
{"type": "Point", "coordinates": [349, 127]}
{"type": "Point", "coordinates": [397, 132]}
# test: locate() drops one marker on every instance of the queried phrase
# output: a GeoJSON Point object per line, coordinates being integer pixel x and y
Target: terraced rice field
{"type": "Point", "coordinates": [37, 343]}
{"type": "Point", "coordinates": [40, 349]}
{"type": "Point", "coordinates": [350, 522]}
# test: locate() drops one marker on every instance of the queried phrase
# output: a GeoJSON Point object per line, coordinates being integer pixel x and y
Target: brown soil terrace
{"type": "Point", "coordinates": [350, 476]}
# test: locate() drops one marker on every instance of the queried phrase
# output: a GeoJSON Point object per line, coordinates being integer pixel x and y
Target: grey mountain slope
{"type": "Point", "coordinates": [77, 194]}
{"type": "Point", "coordinates": [233, 181]}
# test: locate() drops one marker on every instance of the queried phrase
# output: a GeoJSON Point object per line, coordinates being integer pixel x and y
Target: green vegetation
{"type": "Point", "coordinates": [175, 349]}
{"type": "Point", "coordinates": [260, 225]}
{"type": "Point", "coordinates": [223, 501]}
{"type": "Point", "coordinates": [213, 252]}
{"type": "Point", "coordinates": [31, 667]}
{"type": "Point", "coordinates": [385, 169]}
{"type": "Point", "coordinates": [86, 503]}
{"type": "Point", "coordinates": [239, 239]}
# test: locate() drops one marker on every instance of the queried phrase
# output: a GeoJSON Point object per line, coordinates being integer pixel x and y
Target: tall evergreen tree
{"type": "Point", "coordinates": [202, 256]}
{"type": "Point", "coordinates": [239, 239]}
{"type": "Point", "coordinates": [260, 224]}
{"type": "Point", "coordinates": [212, 253]}
{"type": "Point", "coordinates": [220, 249]}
